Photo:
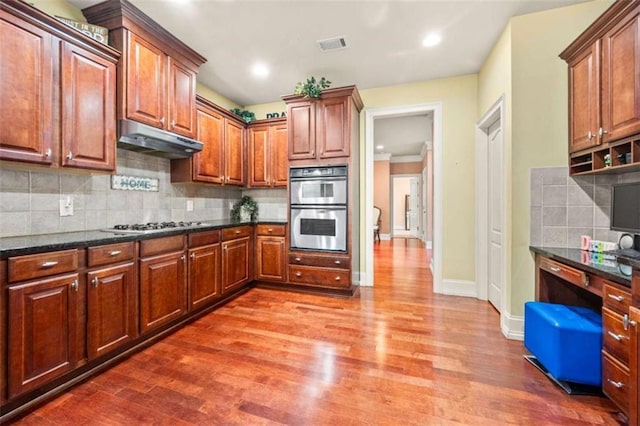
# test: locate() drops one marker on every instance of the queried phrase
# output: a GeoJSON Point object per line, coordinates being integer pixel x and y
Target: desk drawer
{"type": "Point", "coordinates": [615, 337]}
{"type": "Point", "coordinates": [565, 272]}
{"type": "Point", "coordinates": [615, 381]}
{"type": "Point", "coordinates": [616, 298]}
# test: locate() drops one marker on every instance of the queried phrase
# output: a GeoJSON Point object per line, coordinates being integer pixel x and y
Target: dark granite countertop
{"type": "Point", "coordinates": [31, 244]}
{"type": "Point", "coordinates": [616, 270]}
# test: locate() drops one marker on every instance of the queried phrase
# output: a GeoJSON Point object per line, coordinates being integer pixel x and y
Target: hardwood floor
{"type": "Point", "coordinates": [397, 354]}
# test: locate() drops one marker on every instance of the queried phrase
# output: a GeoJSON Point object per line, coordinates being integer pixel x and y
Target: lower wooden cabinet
{"type": "Point", "coordinates": [43, 339]}
{"type": "Point", "coordinates": [112, 308]}
{"type": "Point", "coordinates": [204, 269]}
{"type": "Point", "coordinates": [320, 270]}
{"type": "Point", "coordinates": [271, 253]}
{"type": "Point", "coordinates": [634, 367]}
{"type": "Point", "coordinates": [237, 258]}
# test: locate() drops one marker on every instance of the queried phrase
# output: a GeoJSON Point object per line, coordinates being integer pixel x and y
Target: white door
{"type": "Point", "coordinates": [495, 202]}
{"type": "Point", "coordinates": [425, 201]}
{"type": "Point", "coordinates": [414, 207]}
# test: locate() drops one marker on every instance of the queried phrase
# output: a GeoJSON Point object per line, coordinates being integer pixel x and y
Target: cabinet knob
{"type": "Point", "coordinates": [115, 252]}
{"type": "Point", "coordinates": [602, 132]}
{"type": "Point", "coordinates": [298, 259]}
{"type": "Point", "coordinates": [270, 230]}
{"type": "Point", "coordinates": [49, 264]}
{"type": "Point", "coordinates": [337, 262]}
{"type": "Point", "coordinates": [94, 281]}
{"type": "Point", "coordinates": [74, 285]}
{"type": "Point", "coordinates": [162, 121]}
{"type": "Point", "coordinates": [338, 278]}
{"type": "Point", "coordinates": [298, 274]}
{"type": "Point", "coordinates": [193, 255]}
{"type": "Point", "coordinates": [173, 123]}
{"type": "Point", "coordinates": [69, 155]}
{"type": "Point", "coordinates": [590, 135]}
{"type": "Point", "coordinates": [616, 384]}
{"type": "Point", "coordinates": [183, 258]}
{"type": "Point", "coordinates": [554, 269]}
{"type": "Point", "coordinates": [47, 153]}
{"type": "Point", "coordinates": [237, 232]}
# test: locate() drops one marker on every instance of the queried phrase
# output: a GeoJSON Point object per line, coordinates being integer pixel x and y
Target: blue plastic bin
{"type": "Point", "coordinates": [566, 340]}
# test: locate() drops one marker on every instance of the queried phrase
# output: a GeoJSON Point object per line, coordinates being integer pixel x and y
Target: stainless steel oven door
{"type": "Point", "coordinates": [319, 191]}
{"type": "Point", "coordinates": [319, 228]}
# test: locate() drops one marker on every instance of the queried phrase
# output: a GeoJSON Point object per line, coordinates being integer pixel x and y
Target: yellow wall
{"type": "Point", "coordinates": [459, 98]}
{"type": "Point", "coordinates": [59, 8]}
{"type": "Point", "coordinates": [261, 110]}
{"type": "Point", "coordinates": [214, 96]}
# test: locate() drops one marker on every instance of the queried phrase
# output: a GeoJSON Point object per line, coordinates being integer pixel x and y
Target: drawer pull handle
{"type": "Point", "coordinates": [298, 274]}
{"type": "Point", "coordinates": [616, 384]}
{"type": "Point", "coordinates": [337, 262]}
{"type": "Point", "coordinates": [616, 298]}
{"type": "Point", "coordinates": [115, 253]}
{"type": "Point", "coordinates": [617, 337]}
{"type": "Point", "coordinates": [337, 278]}
{"type": "Point", "coordinates": [237, 232]}
{"type": "Point", "coordinates": [298, 259]}
{"type": "Point", "coordinates": [555, 268]}
{"type": "Point", "coordinates": [94, 281]}
{"type": "Point", "coordinates": [270, 230]}
{"type": "Point", "coordinates": [49, 264]}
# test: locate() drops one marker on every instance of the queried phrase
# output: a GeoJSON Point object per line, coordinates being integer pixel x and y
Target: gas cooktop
{"type": "Point", "coordinates": [150, 227]}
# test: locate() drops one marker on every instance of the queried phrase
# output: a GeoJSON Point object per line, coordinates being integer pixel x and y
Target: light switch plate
{"type": "Point", "coordinates": [189, 205]}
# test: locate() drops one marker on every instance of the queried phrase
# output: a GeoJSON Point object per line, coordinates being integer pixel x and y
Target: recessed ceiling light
{"type": "Point", "coordinates": [431, 40]}
{"type": "Point", "coordinates": [379, 146]}
{"type": "Point", "coordinates": [260, 70]}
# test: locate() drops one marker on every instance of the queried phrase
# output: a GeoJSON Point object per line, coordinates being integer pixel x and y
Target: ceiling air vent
{"type": "Point", "coordinates": [334, 43]}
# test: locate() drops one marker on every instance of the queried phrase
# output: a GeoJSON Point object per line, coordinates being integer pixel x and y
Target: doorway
{"type": "Point", "coordinates": [406, 202]}
{"type": "Point", "coordinates": [367, 187]}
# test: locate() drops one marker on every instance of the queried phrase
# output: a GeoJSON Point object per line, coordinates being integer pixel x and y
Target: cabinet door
{"type": "Point", "coordinates": [204, 275]}
{"type": "Point", "coordinates": [146, 68]}
{"type": "Point", "coordinates": [270, 258]}
{"type": "Point", "coordinates": [621, 79]}
{"type": "Point", "coordinates": [301, 117]}
{"type": "Point", "coordinates": [43, 336]}
{"type": "Point", "coordinates": [634, 364]}
{"type": "Point", "coordinates": [236, 255]}
{"type": "Point", "coordinates": [584, 100]}
{"type": "Point", "coordinates": [111, 309]}
{"type": "Point", "coordinates": [234, 153]}
{"type": "Point", "coordinates": [334, 139]}
{"type": "Point", "coordinates": [208, 164]}
{"type": "Point", "coordinates": [279, 157]}
{"type": "Point", "coordinates": [88, 109]}
{"type": "Point", "coordinates": [162, 290]}
{"type": "Point", "coordinates": [27, 87]}
{"type": "Point", "coordinates": [182, 99]}
{"type": "Point", "coordinates": [259, 158]}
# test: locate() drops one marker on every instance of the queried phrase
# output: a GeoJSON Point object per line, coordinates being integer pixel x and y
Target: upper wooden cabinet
{"type": "Point", "coordinates": [268, 162]}
{"type": "Point", "coordinates": [323, 128]}
{"type": "Point", "coordinates": [223, 158]}
{"type": "Point", "coordinates": [157, 72]}
{"type": "Point", "coordinates": [604, 91]}
{"type": "Point", "coordinates": [50, 72]}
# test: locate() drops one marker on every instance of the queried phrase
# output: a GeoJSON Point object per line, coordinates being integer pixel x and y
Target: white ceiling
{"type": "Point", "coordinates": [404, 135]}
{"type": "Point", "coordinates": [384, 39]}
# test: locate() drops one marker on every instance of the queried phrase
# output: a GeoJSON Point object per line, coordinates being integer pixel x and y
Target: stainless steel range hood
{"type": "Point", "coordinates": [145, 139]}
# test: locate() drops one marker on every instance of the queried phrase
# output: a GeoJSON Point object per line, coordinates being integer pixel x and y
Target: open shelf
{"type": "Point", "coordinates": [622, 156]}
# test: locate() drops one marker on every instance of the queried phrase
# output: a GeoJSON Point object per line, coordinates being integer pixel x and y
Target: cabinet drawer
{"type": "Point", "coordinates": [565, 272]}
{"type": "Point", "coordinates": [112, 253]}
{"type": "Point", "coordinates": [338, 262]}
{"type": "Point", "coordinates": [161, 245]}
{"type": "Point", "coordinates": [236, 232]}
{"type": "Point", "coordinates": [277, 230]}
{"type": "Point", "coordinates": [23, 268]}
{"type": "Point", "coordinates": [615, 381]}
{"type": "Point", "coordinates": [616, 298]}
{"type": "Point", "coordinates": [327, 277]}
{"type": "Point", "coordinates": [197, 239]}
{"type": "Point", "coordinates": [614, 336]}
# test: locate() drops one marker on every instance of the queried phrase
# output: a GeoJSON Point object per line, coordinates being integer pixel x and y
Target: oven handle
{"type": "Point", "coordinates": [318, 207]}
{"type": "Point", "coordinates": [318, 178]}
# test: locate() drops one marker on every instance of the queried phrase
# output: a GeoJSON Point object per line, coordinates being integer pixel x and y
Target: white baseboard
{"type": "Point", "coordinates": [362, 280]}
{"type": "Point", "coordinates": [512, 326]}
{"type": "Point", "coordinates": [458, 288]}
{"type": "Point", "coordinates": [385, 237]}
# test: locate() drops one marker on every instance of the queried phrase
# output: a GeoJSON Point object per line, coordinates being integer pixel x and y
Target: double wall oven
{"type": "Point", "coordinates": [318, 208]}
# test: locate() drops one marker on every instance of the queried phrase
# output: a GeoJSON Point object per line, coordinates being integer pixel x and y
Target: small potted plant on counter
{"type": "Point", "coordinates": [244, 210]}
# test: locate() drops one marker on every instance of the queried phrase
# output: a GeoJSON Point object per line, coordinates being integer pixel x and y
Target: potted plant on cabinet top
{"type": "Point", "coordinates": [311, 88]}
{"type": "Point", "coordinates": [244, 210]}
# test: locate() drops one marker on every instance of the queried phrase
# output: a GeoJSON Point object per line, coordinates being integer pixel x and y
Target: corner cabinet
{"type": "Point", "coordinates": [44, 118]}
{"type": "Point", "coordinates": [157, 72]}
{"type": "Point", "coordinates": [321, 129]}
{"type": "Point", "coordinates": [604, 92]}
{"type": "Point", "coordinates": [268, 146]}
{"type": "Point", "coordinates": [223, 157]}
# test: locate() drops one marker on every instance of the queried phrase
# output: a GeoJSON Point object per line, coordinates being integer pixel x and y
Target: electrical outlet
{"type": "Point", "coordinates": [189, 205]}
{"type": "Point", "coordinates": [66, 206]}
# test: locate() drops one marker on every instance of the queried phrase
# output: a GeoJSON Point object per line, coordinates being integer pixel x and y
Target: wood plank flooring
{"type": "Point", "coordinates": [396, 354]}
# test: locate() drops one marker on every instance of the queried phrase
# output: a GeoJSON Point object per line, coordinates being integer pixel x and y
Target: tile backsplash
{"type": "Point", "coordinates": [29, 199]}
{"type": "Point", "coordinates": [563, 208]}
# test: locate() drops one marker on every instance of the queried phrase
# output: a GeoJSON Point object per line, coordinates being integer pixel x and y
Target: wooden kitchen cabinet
{"type": "Point", "coordinates": [45, 118]}
{"type": "Point", "coordinates": [163, 281]}
{"type": "Point", "coordinates": [112, 298]}
{"type": "Point", "coordinates": [323, 128]}
{"type": "Point", "coordinates": [222, 159]}
{"type": "Point", "coordinates": [204, 268]}
{"type": "Point", "coordinates": [271, 253]}
{"type": "Point", "coordinates": [268, 160]}
{"type": "Point", "coordinates": [237, 258]}
{"type": "Point", "coordinates": [157, 71]}
{"type": "Point", "coordinates": [604, 91]}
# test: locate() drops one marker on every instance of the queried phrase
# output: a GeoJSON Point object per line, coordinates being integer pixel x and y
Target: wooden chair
{"type": "Point", "coordinates": [377, 219]}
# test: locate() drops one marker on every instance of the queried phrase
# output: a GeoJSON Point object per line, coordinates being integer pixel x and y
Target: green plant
{"type": "Point", "coordinates": [247, 116]}
{"type": "Point", "coordinates": [247, 204]}
{"type": "Point", "coordinates": [312, 88]}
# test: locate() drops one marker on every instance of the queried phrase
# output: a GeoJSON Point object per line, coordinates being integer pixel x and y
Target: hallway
{"type": "Point", "coordinates": [395, 355]}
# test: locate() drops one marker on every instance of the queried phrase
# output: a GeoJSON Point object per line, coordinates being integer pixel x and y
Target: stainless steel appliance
{"type": "Point", "coordinates": [151, 227]}
{"type": "Point", "coordinates": [318, 208]}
